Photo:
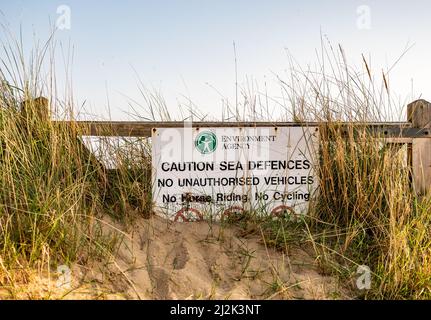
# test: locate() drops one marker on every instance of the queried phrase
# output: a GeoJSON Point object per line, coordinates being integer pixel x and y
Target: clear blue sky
{"type": "Point", "coordinates": [184, 48]}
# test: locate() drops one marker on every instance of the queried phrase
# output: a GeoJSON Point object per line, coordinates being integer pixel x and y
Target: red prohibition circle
{"type": "Point", "coordinates": [281, 208]}
{"type": "Point", "coordinates": [180, 214]}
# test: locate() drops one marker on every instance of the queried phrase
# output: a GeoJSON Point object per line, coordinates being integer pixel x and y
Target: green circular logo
{"type": "Point", "coordinates": [206, 142]}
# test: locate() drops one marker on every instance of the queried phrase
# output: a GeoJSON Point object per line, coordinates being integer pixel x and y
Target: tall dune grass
{"type": "Point", "coordinates": [54, 193]}
{"type": "Point", "coordinates": [366, 212]}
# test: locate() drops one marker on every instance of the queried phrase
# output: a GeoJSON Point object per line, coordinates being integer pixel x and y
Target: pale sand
{"type": "Point", "coordinates": [160, 259]}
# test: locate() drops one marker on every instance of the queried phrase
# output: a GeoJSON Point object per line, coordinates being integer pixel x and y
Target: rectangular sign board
{"type": "Point", "coordinates": [203, 172]}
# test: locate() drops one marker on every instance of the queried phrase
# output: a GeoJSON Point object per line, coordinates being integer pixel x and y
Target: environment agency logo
{"type": "Point", "coordinates": [206, 142]}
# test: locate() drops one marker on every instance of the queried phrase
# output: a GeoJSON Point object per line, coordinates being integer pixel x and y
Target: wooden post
{"type": "Point", "coordinates": [419, 114]}
{"type": "Point", "coordinates": [36, 109]}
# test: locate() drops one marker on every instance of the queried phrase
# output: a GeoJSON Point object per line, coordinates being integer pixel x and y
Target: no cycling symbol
{"type": "Point", "coordinates": [206, 142]}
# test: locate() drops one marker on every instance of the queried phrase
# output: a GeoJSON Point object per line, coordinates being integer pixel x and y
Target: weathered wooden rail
{"type": "Point", "coordinates": [415, 132]}
{"type": "Point", "coordinates": [401, 130]}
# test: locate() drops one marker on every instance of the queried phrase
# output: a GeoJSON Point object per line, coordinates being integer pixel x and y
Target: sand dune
{"type": "Point", "coordinates": [161, 259]}
{"type": "Point", "coordinates": [170, 260]}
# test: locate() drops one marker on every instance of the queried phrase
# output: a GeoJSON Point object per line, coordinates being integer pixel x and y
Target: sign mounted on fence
{"type": "Point", "coordinates": [199, 172]}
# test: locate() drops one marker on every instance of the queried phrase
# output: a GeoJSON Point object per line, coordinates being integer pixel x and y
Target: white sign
{"type": "Point", "coordinates": [202, 172]}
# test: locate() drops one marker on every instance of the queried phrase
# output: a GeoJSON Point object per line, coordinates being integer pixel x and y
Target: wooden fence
{"type": "Point", "coordinates": [415, 132]}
